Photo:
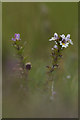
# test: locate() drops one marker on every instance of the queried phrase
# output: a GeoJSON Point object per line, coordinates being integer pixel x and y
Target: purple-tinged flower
{"type": "Point", "coordinates": [13, 39]}
{"type": "Point", "coordinates": [68, 39]}
{"type": "Point", "coordinates": [55, 46]}
{"type": "Point", "coordinates": [55, 37]}
{"type": "Point", "coordinates": [64, 42]}
{"type": "Point", "coordinates": [16, 37]}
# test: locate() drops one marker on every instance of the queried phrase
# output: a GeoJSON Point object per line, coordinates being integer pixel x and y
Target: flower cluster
{"type": "Point", "coordinates": [16, 37]}
{"type": "Point", "coordinates": [61, 42]}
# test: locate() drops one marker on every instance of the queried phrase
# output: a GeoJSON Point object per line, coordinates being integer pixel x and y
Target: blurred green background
{"type": "Point", "coordinates": [36, 23]}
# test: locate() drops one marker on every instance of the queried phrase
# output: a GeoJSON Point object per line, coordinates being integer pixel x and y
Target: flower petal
{"type": "Point", "coordinates": [68, 36]}
{"type": "Point", "coordinates": [55, 46]}
{"type": "Point", "coordinates": [52, 39]}
{"type": "Point", "coordinates": [55, 35]}
{"type": "Point", "coordinates": [62, 36]}
{"type": "Point", "coordinates": [13, 39]}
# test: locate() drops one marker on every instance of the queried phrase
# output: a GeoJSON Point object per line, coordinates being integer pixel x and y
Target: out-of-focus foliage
{"type": "Point", "coordinates": [36, 23]}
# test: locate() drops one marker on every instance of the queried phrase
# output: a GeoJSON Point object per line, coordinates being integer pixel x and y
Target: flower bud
{"type": "Point", "coordinates": [28, 66]}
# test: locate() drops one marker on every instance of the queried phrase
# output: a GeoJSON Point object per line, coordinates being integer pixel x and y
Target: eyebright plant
{"type": "Point", "coordinates": [60, 43]}
{"type": "Point", "coordinates": [17, 44]}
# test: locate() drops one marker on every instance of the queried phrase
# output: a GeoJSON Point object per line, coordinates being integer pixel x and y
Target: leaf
{"type": "Point", "coordinates": [25, 59]}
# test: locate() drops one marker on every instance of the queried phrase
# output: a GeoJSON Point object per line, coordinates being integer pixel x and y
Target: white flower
{"type": "Point", "coordinates": [51, 39]}
{"type": "Point", "coordinates": [55, 37]}
{"type": "Point", "coordinates": [68, 39]}
{"type": "Point", "coordinates": [65, 40]}
{"type": "Point", "coordinates": [52, 48]}
{"type": "Point", "coordinates": [64, 44]}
